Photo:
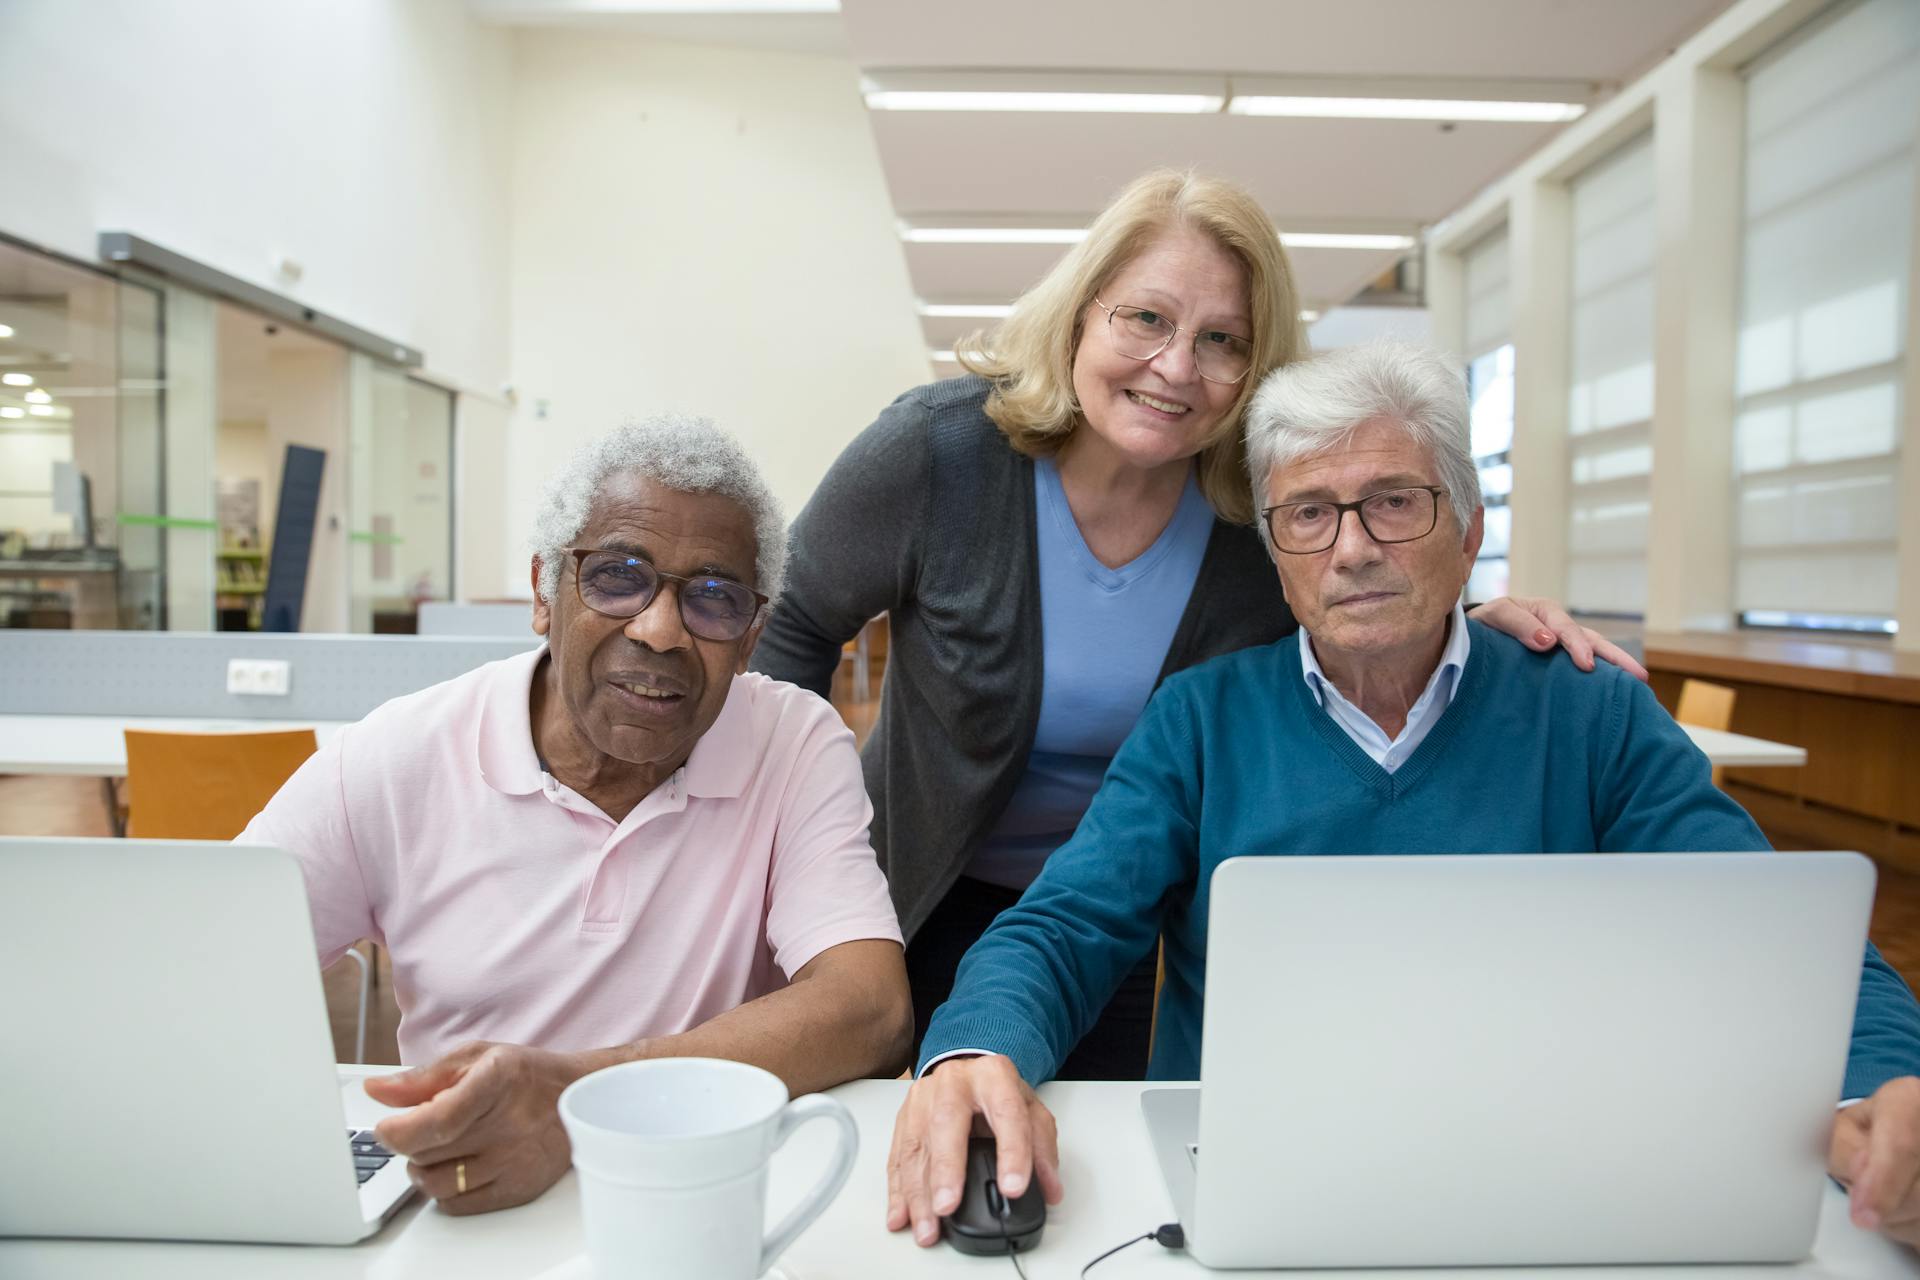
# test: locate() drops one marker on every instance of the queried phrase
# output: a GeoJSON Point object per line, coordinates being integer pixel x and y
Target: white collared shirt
{"type": "Point", "coordinates": [1391, 753]}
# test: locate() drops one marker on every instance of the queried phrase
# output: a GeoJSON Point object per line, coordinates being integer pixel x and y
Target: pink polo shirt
{"type": "Point", "coordinates": [515, 910]}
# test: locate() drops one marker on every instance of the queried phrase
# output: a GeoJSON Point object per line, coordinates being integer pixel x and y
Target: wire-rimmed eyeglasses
{"type": "Point", "coordinates": [1389, 516]}
{"type": "Point", "coordinates": [1140, 333]}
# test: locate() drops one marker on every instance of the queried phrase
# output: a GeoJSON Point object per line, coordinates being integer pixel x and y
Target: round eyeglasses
{"type": "Point", "coordinates": [622, 586]}
{"type": "Point", "coordinates": [1389, 516]}
{"type": "Point", "coordinates": [1141, 334]}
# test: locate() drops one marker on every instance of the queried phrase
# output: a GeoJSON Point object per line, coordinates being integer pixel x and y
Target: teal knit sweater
{"type": "Point", "coordinates": [1234, 757]}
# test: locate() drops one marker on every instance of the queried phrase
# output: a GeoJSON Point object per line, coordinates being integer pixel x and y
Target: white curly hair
{"type": "Point", "coordinates": [1312, 405]}
{"type": "Point", "coordinates": [676, 450]}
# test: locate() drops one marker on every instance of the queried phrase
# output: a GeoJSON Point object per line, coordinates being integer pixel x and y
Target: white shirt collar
{"type": "Point", "coordinates": [1390, 753]}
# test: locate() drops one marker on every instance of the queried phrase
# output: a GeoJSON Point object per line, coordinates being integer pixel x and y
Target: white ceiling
{"type": "Point", "coordinates": [1312, 175]}
{"type": "Point", "coordinates": [1060, 169]}
{"type": "Point", "coordinates": [1556, 39]}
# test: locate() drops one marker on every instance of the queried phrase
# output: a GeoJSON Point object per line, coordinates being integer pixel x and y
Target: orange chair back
{"type": "Point", "coordinates": [1707, 706]}
{"type": "Point", "coordinates": [206, 786]}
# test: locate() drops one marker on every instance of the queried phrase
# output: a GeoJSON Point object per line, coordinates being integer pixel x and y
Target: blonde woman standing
{"type": "Point", "coordinates": [1051, 536]}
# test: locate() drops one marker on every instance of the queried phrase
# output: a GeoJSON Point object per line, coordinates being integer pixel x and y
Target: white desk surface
{"type": "Point", "coordinates": [1114, 1191]}
{"type": "Point", "coordinates": [93, 746]}
{"type": "Point", "coordinates": [1724, 748]}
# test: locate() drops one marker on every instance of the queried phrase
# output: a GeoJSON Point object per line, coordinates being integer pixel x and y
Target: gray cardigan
{"type": "Point", "coordinates": [928, 517]}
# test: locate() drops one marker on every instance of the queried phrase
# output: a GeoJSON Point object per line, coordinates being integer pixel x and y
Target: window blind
{"type": "Point", "coordinates": [1490, 387]}
{"type": "Point", "coordinates": [1830, 132]}
{"type": "Point", "coordinates": [1610, 371]}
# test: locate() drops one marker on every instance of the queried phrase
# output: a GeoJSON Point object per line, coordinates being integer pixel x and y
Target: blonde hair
{"type": "Point", "coordinates": [1029, 356]}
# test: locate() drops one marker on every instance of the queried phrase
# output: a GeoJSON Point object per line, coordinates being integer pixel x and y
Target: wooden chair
{"type": "Point", "coordinates": [208, 786]}
{"type": "Point", "coordinates": [1706, 705]}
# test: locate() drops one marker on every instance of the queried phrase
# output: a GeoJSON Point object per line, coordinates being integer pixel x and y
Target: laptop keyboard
{"type": "Point", "coordinates": [369, 1157]}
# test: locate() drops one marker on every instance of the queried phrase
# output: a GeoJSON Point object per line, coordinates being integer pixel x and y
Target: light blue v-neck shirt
{"type": "Point", "coordinates": [1105, 637]}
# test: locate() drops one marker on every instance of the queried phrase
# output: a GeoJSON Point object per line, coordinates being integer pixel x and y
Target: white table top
{"type": "Point", "coordinates": [94, 746]}
{"type": "Point", "coordinates": [1114, 1191]}
{"type": "Point", "coordinates": [1724, 748]}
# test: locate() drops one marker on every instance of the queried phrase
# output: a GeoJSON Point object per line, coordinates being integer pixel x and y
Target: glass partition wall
{"type": "Point", "coordinates": [82, 448]}
{"type": "Point", "coordinates": [401, 496]}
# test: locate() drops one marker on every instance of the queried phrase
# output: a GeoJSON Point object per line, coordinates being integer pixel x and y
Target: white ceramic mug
{"type": "Point", "coordinates": [672, 1155]}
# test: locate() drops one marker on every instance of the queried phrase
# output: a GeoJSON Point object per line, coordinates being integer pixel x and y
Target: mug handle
{"type": "Point", "coordinates": [813, 1106]}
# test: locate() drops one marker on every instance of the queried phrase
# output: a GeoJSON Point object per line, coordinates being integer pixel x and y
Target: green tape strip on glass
{"type": "Point", "coordinates": [383, 539]}
{"type": "Point", "coordinates": [165, 522]}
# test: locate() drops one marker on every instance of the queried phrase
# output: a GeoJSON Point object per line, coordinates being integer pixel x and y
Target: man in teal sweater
{"type": "Point", "coordinates": [1390, 725]}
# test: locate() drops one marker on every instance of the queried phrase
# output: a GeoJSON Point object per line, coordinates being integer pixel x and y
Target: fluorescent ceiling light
{"type": "Point", "coordinates": [10, 412]}
{"type": "Point", "coordinates": [1333, 240]}
{"type": "Point", "coordinates": [6, 331]}
{"type": "Point", "coordinates": [1179, 104]}
{"type": "Point", "coordinates": [993, 235]}
{"type": "Point", "coordinates": [1309, 316]}
{"type": "Point", "coordinates": [1074, 235]}
{"type": "Point", "coordinates": [942, 357]}
{"type": "Point", "coordinates": [1407, 109]}
{"type": "Point", "coordinates": [966, 310]}
{"type": "Point", "coordinates": [42, 410]}
{"type": "Point", "coordinates": [37, 396]}
{"type": "Point", "coordinates": [17, 379]}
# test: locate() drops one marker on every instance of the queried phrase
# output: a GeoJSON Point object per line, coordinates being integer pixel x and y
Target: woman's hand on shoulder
{"type": "Point", "coordinates": [1541, 624]}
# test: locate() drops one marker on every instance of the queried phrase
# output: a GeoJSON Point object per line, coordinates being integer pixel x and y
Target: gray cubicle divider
{"type": "Point", "coordinates": [449, 618]}
{"type": "Point", "coordinates": [173, 673]}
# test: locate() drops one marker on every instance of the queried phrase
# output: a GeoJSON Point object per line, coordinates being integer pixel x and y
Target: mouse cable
{"type": "Point", "coordinates": [1168, 1235]}
{"type": "Point", "coordinates": [1006, 1238]}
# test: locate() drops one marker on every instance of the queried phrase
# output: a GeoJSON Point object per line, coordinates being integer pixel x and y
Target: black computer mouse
{"type": "Point", "coordinates": [986, 1221]}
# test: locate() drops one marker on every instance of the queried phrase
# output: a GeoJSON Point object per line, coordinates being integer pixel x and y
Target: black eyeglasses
{"type": "Point", "coordinates": [1389, 516]}
{"type": "Point", "coordinates": [622, 586]}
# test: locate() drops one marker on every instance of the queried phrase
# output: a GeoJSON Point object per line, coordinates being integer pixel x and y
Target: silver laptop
{"type": "Point", "coordinates": [1525, 1059]}
{"type": "Point", "coordinates": [170, 1070]}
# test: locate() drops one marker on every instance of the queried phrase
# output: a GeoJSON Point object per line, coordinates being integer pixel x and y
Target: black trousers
{"type": "Point", "coordinates": [1116, 1046]}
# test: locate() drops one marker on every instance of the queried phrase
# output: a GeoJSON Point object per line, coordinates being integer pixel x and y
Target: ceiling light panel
{"type": "Point", "coordinates": [1179, 104]}
{"type": "Point", "coordinates": [1406, 109]}
{"type": "Point", "coordinates": [992, 235]}
{"type": "Point", "coordinates": [1043, 91]}
{"type": "Point", "coordinates": [1342, 240]}
{"type": "Point", "coordinates": [966, 310]}
{"type": "Point", "coordinates": [1073, 235]}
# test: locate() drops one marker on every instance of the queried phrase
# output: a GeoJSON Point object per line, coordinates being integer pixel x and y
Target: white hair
{"type": "Point", "coordinates": [1310, 406]}
{"type": "Point", "coordinates": [675, 450]}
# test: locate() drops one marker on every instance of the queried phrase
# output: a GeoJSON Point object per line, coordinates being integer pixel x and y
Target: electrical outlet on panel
{"type": "Point", "coordinates": [272, 677]}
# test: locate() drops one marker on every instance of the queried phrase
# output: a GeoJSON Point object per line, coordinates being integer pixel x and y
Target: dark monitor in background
{"type": "Point", "coordinates": [294, 523]}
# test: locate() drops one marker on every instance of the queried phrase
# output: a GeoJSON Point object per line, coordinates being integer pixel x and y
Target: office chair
{"type": "Point", "coordinates": [208, 786]}
{"type": "Point", "coordinates": [1706, 705]}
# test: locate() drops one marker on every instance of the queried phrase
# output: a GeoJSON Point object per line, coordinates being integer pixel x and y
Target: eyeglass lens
{"type": "Point", "coordinates": [1392, 515]}
{"type": "Point", "coordinates": [622, 586]}
{"type": "Point", "coordinates": [1140, 334]}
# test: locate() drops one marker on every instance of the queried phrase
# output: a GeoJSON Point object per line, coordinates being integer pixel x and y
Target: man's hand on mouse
{"type": "Point", "coordinates": [1875, 1154]}
{"type": "Point", "coordinates": [929, 1157]}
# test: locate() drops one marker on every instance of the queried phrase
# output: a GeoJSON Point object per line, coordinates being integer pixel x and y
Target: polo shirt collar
{"type": "Point", "coordinates": [504, 736]}
{"type": "Point", "coordinates": [721, 763]}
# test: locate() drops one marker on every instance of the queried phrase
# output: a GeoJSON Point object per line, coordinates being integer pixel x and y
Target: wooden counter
{"type": "Point", "coordinates": [1853, 703]}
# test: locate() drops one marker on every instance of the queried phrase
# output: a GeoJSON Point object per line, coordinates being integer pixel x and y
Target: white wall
{"type": "Point", "coordinates": [366, 139]}
{"type": "Point", "coordinates": [702, 229]}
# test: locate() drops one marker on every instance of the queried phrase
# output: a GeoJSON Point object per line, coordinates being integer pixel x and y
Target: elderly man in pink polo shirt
{"type": "Point", "coordinates": [622, 845]}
